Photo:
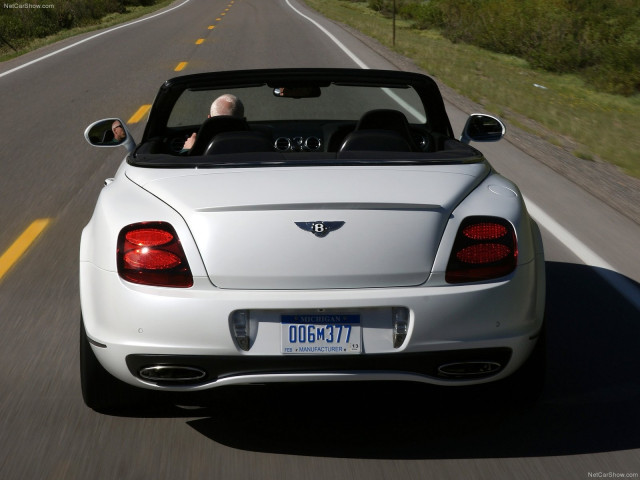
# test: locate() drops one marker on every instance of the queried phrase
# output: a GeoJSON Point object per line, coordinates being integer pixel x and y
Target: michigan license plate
{"type": "Point", "coordinates": [321, 333]}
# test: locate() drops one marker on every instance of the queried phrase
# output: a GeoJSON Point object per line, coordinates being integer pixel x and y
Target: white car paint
{"type": "Point", "coordinates": [195, 321]}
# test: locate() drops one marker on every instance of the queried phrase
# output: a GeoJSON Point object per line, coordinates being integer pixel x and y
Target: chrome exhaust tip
{"type": "Point", "coordinates": [473, 369]}
{"type": "Point", "coordinates": [172, 373]}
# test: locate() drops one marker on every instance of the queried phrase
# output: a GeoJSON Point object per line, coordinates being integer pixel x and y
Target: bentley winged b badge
{"type": "Point", "coordinates": [319, 229]}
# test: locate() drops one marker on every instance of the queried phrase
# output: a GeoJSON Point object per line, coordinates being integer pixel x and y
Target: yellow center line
{"type": "Point", "coordinates": [21, 245]}
{"type": "Point", "coordinates": [200, 41]}
{"type": "Point", "coordinates": [142, 111]}
{"type": "Point", "coordinates": [211, 27]}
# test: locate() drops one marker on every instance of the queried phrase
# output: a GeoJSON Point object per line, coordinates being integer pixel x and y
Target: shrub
{"type": "Point", "coordinates": [377, 5]}
{"type": "Point", "coordinates": [598, 39]}
{"type": "Point", "coordinates": [424, 15]}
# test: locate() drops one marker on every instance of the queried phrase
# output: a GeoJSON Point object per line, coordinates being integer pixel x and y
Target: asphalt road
{"type": "Point", "coordinates": [586, 425]}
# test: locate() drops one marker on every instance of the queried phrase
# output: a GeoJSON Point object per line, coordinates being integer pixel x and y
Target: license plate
{"type": "Point", "coordinates": [321, 333]}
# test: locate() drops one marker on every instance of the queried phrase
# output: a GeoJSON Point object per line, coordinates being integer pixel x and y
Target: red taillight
{"type": "Point", "coordinates": [150, 253]}
{"type": "Point", "coordinates": [149, 237]}
{"type": "Point", "coordinates": [483, 253]}
{"type": "Point", "coordinates": [484, 231]}
{"type": "Point", "coordinates": [151, 259]}
{"type": "Point", "coordinates": [484, 248]}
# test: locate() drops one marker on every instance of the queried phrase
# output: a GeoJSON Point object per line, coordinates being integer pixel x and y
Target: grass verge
{"type": "Point", "coordinates": [559, 108]}
{"type": "Point", "coordinates": [24, 46]}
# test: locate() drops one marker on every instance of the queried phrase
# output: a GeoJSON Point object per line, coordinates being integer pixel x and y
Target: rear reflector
{"type": "Point", "coordinates": [485, 248]}
{"type": "Point", "coordinates": [241, 328]}
{"type": "Point", "coordinates": [150, 253]}
{"type": "Point", "coordinates": [400, 319]}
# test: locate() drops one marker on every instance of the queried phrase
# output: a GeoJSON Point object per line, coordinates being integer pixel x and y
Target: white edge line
{"type": "Point", "coordinates": [622, 284]}
{"type": "Point", "coordinates": [413, 111]}
{"type": "Point", "coordinates": [563, 235]}
{"type": "Point", "coordinates": [618, 281]}
{"type": "Point", "coordinates": [340, 45]}
{"type": "Point", "coordinates": [90, 38]}
{"type": "Point", "coordinates": [420, 117]}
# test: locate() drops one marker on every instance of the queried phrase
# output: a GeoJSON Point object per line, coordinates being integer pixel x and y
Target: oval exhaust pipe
{"type": "Point", "coordinates": [172, 373]}
{"type": "Point", "coordinates": [469, 369]}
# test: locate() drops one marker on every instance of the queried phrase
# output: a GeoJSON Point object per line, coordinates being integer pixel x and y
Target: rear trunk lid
{"type": "Point", "coordinates": [315, 227]}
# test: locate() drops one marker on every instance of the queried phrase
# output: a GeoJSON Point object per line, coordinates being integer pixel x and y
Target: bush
{"type": "Point", "coordinates": [597, 39]}
{"type": "Point", "coordinates": [424, 15]}
{"type": "Point", "coordinates": [384, 7]}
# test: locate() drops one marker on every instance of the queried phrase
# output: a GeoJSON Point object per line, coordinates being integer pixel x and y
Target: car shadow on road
{"type": "Point", "coordinates": [590, 403]}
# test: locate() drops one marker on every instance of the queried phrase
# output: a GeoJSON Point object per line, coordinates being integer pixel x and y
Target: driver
{"type": "Point", "coordinates": [119, 135]}
{"type": "Point", "coordinates": [226, 104]}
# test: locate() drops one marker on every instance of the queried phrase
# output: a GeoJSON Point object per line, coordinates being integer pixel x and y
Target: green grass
{"type": "Point", "coordinates": [589, 124]}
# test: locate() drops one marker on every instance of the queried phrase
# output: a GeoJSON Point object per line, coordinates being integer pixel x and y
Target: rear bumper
{"type": "Point", "coordinates": [447, 366]}
{"type": "Point", "coordinates": [133, 327]}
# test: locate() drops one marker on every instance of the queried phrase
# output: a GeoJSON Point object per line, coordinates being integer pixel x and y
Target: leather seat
{"type": "Point", "coordinates": [239, 142]}
{"type": "Point", "coordinates": [213, 126]}
{"type": "Point", "coordinates": [375, 140]}
{"type": "Point", "coordinates": [381, 130]}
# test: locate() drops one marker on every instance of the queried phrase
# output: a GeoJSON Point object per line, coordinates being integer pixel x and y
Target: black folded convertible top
{"type": "Point", "coordinates": [463, 155]}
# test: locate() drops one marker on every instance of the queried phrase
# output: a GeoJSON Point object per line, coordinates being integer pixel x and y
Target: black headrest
{"type": "Point", "coordinates": [387, 119]}
{"type": "Point", "coordinates": [239, 142]}
{"type": "Point", "coordinates": [375, 140]}
{"type": "Point", "coordinates": [213, 126]}
{"type": "Point", "coordinates": [108, 136]}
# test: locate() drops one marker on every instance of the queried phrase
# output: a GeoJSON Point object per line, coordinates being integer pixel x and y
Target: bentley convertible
{"type": "Point", "coordinates": [327, 226]}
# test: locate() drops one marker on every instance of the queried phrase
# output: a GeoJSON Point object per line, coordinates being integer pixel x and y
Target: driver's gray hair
{"type": "Point", "coordinates": [227, 104]}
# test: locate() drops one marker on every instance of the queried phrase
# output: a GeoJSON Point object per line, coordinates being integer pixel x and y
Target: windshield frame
{"type": "Point", "coordinates": [172, 90]}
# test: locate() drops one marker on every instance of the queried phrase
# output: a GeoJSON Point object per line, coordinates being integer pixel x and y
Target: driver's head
{"type": "Point", "coordinates": [227, 104]}
{"type": "Point", "coordinates": [118, 131]}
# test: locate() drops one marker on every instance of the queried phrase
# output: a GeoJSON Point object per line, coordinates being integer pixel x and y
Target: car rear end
{"type": "Point", "coordinates": [208, 278]}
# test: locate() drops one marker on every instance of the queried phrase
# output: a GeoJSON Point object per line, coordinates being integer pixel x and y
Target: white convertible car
{"type": "Point", "coordinates": [328, 227]}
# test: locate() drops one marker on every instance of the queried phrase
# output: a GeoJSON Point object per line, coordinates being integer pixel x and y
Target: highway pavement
{"type": "Point", "coordinates": [586, 424]}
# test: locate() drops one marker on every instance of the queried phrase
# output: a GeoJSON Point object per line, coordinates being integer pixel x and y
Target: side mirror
{"type": "Point", "coordinates": [110, 132]}
{"type": "Point", "coordinates": [482, 128]}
